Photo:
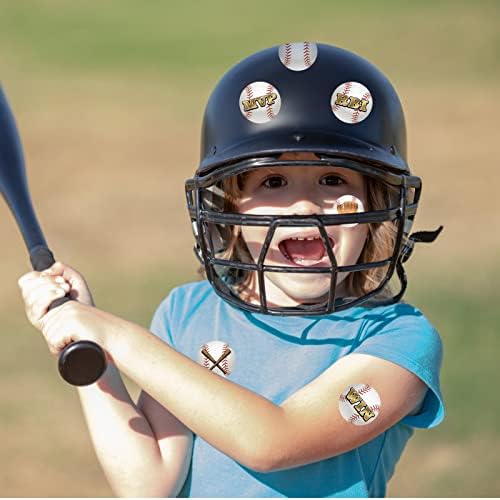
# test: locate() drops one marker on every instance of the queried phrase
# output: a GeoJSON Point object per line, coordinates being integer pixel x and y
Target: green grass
{"type": "Point", "coordinates": [468, 323]}
{"type": "Point", "coordinates": [424, 40]}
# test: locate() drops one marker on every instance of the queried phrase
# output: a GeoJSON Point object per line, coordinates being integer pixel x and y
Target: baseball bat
{"type": "Point", "coordinates": [80, 363]}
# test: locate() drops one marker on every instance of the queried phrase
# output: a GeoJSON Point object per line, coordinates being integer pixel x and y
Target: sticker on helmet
{"type": "Point", "coordinates": [260, 102]}
{"type": "Point", "coordinates": [359, 404]}
{"type": "Point", "coordinates": [348, 204]}
{"type": "Point", "coordinates": [298, 56]}
{"type": "Point", "coordinates": [218, 357]}
{"type": "Point", "coordinates": [351, 102]}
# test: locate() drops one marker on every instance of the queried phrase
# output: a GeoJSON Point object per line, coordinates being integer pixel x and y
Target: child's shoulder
{"type": "Point", "coordinates": [395, 309]}
{"type": "Point", "coordinates": [399, 315]}
{"type": "Point", "coordinates": [400, 327]}
{"type": "Point", "coordinates": [399, 311]}
{"type": "Point", "coordinates": [192, 288]}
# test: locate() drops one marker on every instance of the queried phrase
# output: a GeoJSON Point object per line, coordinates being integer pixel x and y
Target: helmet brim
{"type": "Point", "coordinates": [266, 144]}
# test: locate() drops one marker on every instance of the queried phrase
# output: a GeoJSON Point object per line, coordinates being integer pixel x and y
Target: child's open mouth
{"type": "Point", "coordinates": [304, 251]}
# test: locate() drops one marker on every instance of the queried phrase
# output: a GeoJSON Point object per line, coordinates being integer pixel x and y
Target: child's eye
{"type": "Point", "coordinates": [274, 181]}
{"type": "Point", "coordinates": [331, 180]}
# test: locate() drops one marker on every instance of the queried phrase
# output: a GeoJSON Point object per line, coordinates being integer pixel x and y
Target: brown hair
{"type": "Point", "coordinates": [379, 243]}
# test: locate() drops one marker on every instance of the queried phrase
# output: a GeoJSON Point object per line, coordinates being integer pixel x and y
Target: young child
{"type": "Point", "coordinates": [294, 369]}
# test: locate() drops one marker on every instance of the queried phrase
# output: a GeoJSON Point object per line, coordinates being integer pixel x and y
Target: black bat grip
{"type": "Point", "coordinates": [80, 363]}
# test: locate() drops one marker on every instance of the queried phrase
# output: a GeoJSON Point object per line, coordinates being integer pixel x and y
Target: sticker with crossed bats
{"type": "Point", "coordinates": [218, 357]}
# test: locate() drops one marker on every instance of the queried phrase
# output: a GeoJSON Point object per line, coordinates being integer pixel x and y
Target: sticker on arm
{"type": "Point", "coordinates": [359, 404]}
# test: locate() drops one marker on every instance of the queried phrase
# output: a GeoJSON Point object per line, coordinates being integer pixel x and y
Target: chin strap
{"type": "Point", "coordinates": [418, 237]}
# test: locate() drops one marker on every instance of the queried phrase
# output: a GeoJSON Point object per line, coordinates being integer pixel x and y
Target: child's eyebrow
{"type": "Point", "coordinates": [262, 171]}
{"type": "Point", "coordinates": [281, 170]}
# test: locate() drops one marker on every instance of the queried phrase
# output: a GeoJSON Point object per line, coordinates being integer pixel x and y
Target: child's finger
{"type": "Point", "coordinates": [43, 289]}
{"type": "Point", "coordinates": [57, 269]}
{"type": "Point", "coordinates": [47, 291]}
{"type": "Point", "coordinates": [58, 274]}
{"type": "Point", "coordinates": [40, 304]}
{"type": "Point", "coordinates": [28, 278]}
{"type": "Point", "coordinates": [60, 281]}
{"type": "Point", "coordinates": [41, 285]}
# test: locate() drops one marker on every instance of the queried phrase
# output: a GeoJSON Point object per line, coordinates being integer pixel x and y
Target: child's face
{"type": "Point", "coordinates": [301, 190]}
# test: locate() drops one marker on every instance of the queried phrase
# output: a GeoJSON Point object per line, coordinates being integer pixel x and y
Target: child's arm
{"type": "Point", "coordinates": [143, 450]}
{"type": "Point", "coordinates": [252, 430]}
{"type": "Point", "coordinates": [261, 435]}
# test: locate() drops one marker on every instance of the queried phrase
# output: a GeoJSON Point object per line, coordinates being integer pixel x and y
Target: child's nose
{"type": "Point", "coordinates": [304, 207]}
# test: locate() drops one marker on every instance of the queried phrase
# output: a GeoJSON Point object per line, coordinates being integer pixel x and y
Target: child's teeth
{"type": "Point", "coordinates": [306, 262]}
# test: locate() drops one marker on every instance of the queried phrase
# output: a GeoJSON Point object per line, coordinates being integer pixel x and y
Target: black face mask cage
{"type": "Point", "coordinates": [205, 202]}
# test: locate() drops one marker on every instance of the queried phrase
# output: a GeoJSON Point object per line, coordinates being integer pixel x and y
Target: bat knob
{"type": "Point", "coordinates": [82, 363]}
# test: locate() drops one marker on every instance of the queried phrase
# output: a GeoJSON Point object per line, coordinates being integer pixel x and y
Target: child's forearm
{"type": "Point", "coordinates": [123, 440]}
{"type": "Point", "coordinates": [235, 420]}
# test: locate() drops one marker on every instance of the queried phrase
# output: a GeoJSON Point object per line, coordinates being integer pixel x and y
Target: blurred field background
{"type": "Point", "coordinates": [109, 95]}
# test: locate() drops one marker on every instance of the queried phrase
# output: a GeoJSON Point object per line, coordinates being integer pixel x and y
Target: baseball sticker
{"type": "Point", "coordinates": [348, 204]}
{"type": "Point", "coordinates": [260, 102]}
{"type": "Point", "coordinates": [217, 357]}
{"type": "Point", "coordinates": [359, 404]}
{"type": "Point", "coordinates": [298, 56]}
{"type": "Point", "coordinates": [351, 102]}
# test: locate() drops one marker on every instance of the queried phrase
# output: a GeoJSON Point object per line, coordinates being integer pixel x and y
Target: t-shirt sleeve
{"type": "Point", "coordinates": [405, 337]}
{"type": "Point", "coordinates": [161, 324]}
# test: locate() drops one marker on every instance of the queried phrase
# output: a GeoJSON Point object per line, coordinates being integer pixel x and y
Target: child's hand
{"type": "Point", "coordinates": [40, 289]}
{"type": "Point", "coordinates": [74, 321]}
{"type": "Point", "coordinates": [70, 322]}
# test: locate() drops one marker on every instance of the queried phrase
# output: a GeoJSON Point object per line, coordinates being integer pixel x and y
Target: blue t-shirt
{"type": "Point", "coordinates": [275, 356]}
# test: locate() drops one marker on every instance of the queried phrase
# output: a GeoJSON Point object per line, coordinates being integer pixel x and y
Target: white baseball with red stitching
{"type": "Point", "coordinates": [298, 56]}
{"type": "Point", "coordinates": [348, 410]}
{"type": "Point", "coordinates": [217, 349]}
{"type": "Point", "coordinates": [349, 113]}
{"type": "Point", "coordinates": [260, 102]}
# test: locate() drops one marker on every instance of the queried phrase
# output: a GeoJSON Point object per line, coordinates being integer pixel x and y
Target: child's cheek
{"type": "Point", "coordinates": [351, 241]}
{"type": "Point", "coordinates": [254, 238]}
